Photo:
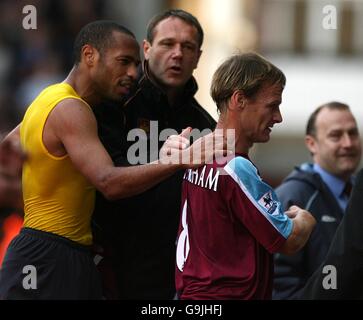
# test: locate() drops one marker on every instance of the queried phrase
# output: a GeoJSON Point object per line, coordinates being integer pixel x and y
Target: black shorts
{"type": "Point", "coordinates": [42, 265]}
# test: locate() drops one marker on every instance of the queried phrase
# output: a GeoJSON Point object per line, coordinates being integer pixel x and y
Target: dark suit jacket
{"type": "Point", "coordinates": [345, 256]}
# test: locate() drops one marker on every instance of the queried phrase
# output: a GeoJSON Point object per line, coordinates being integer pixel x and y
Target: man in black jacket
{"type": "Point", "coordinates": [322, 188]}
{"type": "Point", "coordinates": [340, 275]}
{"type": "Point", "coordinates": [141, 231]}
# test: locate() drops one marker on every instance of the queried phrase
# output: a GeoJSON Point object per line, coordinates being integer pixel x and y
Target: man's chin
{"type": "Point", "coordinates": [263, 139]}
{"type": "Point", "coordinates": [348, 169]}
{"type": "Point", "coordinates": [175, 83]}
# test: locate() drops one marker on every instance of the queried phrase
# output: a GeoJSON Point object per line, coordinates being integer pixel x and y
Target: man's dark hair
{"type": "Point", "coordinates": [98, 34]}
{"type": "Point", "coordinates": [334, 105]}
{"type": "Point", "coordinates": [177, 13]}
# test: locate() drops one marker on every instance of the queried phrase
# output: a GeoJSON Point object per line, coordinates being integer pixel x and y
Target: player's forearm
{"type": "Point", "coordinates": [303, 225]}
{"type": "Point", "coordinates": [124, 182]}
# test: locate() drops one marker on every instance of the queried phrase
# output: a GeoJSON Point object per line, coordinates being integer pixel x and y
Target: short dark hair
{"type": "Point", "coordinates": [246, 72]}
{"type": "Point", "coordinates": [98, 34]}
{"type": "Point", "coordinates": [333, 105]}
{"type": "Point", "coordinates": [177, 13]}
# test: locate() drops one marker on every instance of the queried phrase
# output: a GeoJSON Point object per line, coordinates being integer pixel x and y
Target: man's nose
{"type": "Point", "coordinates": [278, 116]}
{"type": "Point", "coordinates": [177, 51]}
{"type": "Point", "coordinates": [347, 140]}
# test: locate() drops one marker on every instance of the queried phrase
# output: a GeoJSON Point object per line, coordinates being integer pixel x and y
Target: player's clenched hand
{"type": "Point", "coordinates": [205, 149]}
{"type": "Point", "coordinates": [175, 143]}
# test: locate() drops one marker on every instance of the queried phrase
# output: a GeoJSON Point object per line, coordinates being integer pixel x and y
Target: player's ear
{"type": "Point", "coordinates": [89, 54]}
{"type": "Point", "coordinates": [238, 99]}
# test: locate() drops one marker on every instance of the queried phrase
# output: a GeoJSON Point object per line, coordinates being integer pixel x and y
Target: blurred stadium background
{"type": "Point", "coordinates": [321, 65]}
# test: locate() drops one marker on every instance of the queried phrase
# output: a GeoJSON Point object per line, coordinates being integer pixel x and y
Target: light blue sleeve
{"type": "Point", "coordinates": [263, 197]}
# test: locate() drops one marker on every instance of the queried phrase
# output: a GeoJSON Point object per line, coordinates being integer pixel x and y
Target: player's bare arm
{"type": "Point", "coordinates": [303, 225]}
{"type": "Point", "coordinates": [75, 128]}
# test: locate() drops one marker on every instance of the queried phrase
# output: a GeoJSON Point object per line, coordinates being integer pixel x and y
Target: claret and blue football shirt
{"type": "Point", "coordinates": [231, 223]}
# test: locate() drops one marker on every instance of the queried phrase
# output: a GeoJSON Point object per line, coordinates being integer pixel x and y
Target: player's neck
{"type": "Point", "coordinates": [81, 84]}
{"type": "Point", "coordinates": [241, 145]}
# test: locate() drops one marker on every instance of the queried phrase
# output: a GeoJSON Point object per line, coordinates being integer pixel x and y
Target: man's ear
{"type": "Point", "coordinates": [311, 144]}
{"type": "Point", "coordinates": [146, 45]}
{"type": "Point", "coordinates": [238, 100]}
{"type": "Point", "coordinates": [89, 54]}
{"type": "Point", "coordinates": [199, 54]}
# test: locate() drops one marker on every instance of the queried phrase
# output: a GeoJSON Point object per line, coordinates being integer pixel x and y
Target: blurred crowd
{"type": "Point", "coordinates": [32, 59]}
